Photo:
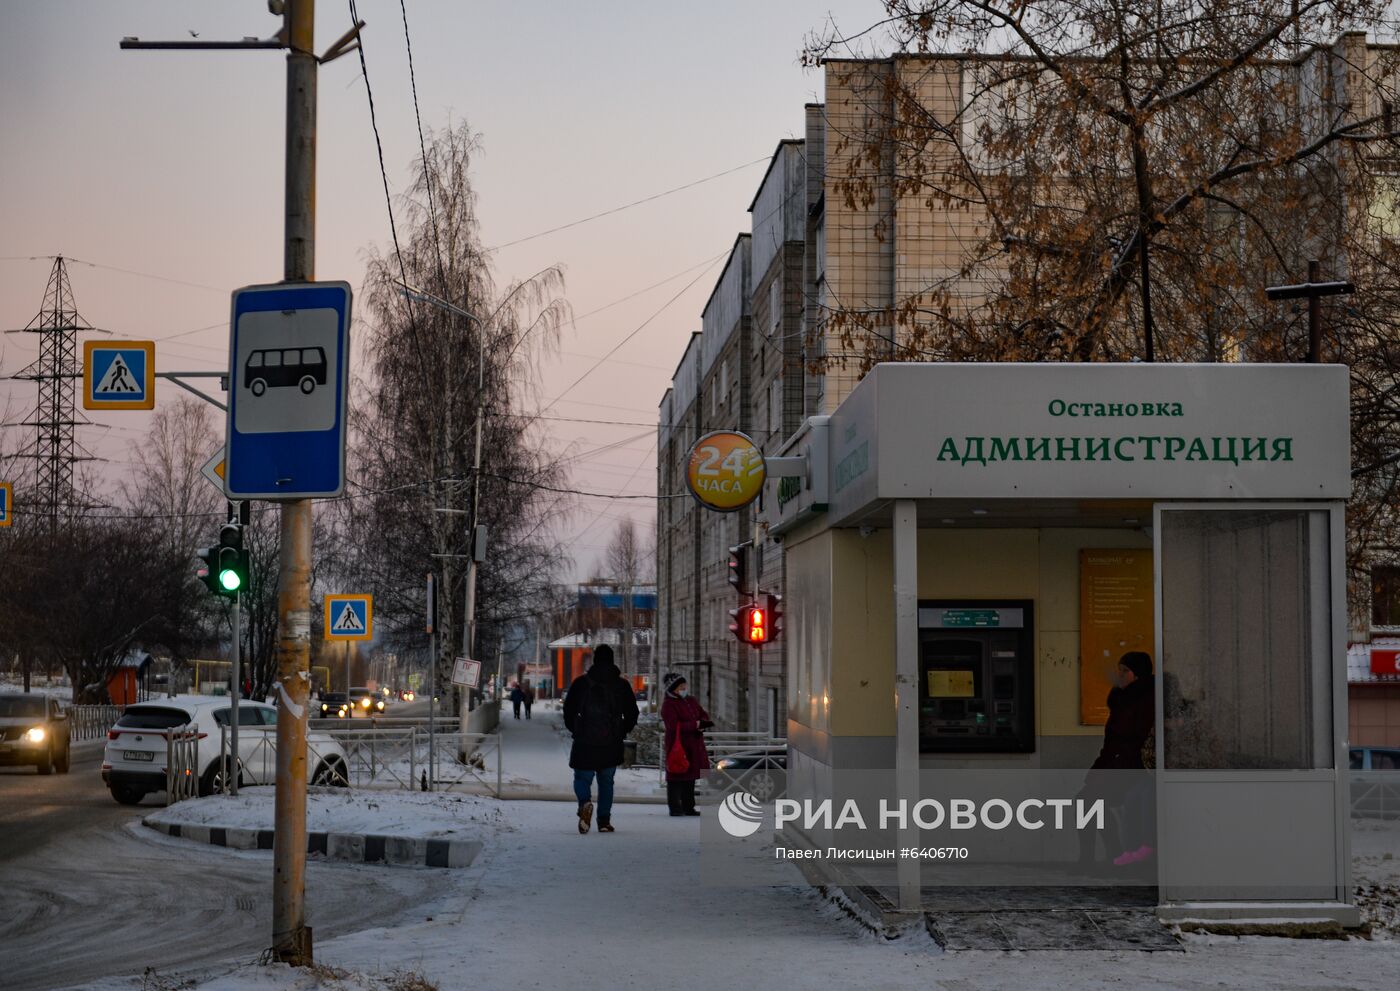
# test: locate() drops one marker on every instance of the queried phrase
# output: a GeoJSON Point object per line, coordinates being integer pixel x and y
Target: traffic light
{"type": "Point", "coordinates": [756, 626]}
{"type": "Point", "coordinates": [739, 565]}
{"type": "Point", "coordinates": [208, 571]}
{"type": "Point", "coordinates": [749, 624]}
{"type": "Point", "coordinates": [225, 565]}
{"type": "Point", "coordinates": [232, 571]}
{"type": "Point", "coordinates": [774, 604]}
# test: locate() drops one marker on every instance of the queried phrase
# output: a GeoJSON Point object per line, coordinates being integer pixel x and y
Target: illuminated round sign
{"type": "Point", "coordinates": [725, 471]}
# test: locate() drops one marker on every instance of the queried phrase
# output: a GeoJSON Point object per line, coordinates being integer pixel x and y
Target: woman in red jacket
{"type": "Point", "coordinates": [685, 721]}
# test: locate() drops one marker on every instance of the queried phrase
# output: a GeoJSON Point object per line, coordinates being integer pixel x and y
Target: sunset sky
{"type": "Point", "coordinates": [169, 164]}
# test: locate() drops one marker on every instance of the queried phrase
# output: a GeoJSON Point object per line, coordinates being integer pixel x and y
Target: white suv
{"type": "Point", "coordinates": [134, 762]}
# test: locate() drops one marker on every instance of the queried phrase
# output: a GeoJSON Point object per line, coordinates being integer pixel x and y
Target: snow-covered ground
{"type": "Point", "coordinates": [548, 908]}
{"type": "Point", "coordinates": [535, 757]}
{"type": "Point", "coordinates": [348, 810]}
{"type": "Point", "coordinates": [59, 688]}
{"type": "Point", "coordinates": [544, 907]}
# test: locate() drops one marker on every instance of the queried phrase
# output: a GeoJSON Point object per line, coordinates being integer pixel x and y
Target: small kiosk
{"type": "Point", "coordinates": [971, 548]}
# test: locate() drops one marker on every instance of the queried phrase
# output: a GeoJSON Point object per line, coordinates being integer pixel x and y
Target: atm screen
{"type": "Point", "coordinates": [951, 684]}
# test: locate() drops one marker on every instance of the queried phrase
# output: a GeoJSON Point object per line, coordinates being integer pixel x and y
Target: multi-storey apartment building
{"type": "Point", "coordinates": [769, 353]}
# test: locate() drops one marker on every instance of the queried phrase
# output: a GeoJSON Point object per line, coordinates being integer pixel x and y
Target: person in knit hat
{"type": "Point", "coordinates": [684, 748]}
{"type": "Point", "coordinates": [599, 710]}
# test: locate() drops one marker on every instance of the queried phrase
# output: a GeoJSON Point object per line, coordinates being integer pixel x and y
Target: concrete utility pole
{"type": "Point", "coordinates": [291, 939]}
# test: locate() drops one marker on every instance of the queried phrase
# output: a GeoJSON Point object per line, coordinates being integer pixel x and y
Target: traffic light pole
{"type": "Point", "coordinates": [756, 665]}
{"type": "Point", "coordinates": [231, 777]}
{"type": "Point", "coordinates": [291, 939]}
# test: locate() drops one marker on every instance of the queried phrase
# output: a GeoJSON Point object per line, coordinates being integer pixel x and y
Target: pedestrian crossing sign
{"type": "Point", "coordinates": [349, 617]}
{"type": "Point", "coordinates": [7, 497]}
{"type": "Point", "coordinates": [119, 374]}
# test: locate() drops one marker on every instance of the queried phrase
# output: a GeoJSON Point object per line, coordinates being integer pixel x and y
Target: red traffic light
{"type": "Point", "coordinates": [756, 625]}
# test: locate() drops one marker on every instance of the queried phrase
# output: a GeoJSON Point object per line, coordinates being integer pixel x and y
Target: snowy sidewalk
{"type": "Point", "coordinates": [548, 908]}
{"type": "Point", "coordinates": [535, 761]}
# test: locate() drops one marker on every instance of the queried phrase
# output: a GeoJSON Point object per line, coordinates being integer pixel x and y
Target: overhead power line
{"type": "Point", "coordinates": [619, 345]}
{"type": "Point", "coordinates": [628, 206]}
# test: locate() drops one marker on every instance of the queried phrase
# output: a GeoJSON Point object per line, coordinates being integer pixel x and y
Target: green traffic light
{"type": "Point", "coordinates": [230, 579]}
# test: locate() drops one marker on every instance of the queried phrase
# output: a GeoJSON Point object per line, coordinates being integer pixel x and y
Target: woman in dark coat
{"type": "Point", "coordinates": [685, 720]}
{"type": "Point", "coordinates": [1132, 715]}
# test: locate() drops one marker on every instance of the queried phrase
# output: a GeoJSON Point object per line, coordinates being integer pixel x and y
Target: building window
{"type": "Point", "coordinates": [775, 306]}
{"type": "Point", "coordinates": [1385, 596]}
{"type": "Point", "coordinates": [775, 405]}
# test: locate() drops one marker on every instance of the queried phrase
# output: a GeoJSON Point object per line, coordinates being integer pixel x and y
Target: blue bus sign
{"type": "Point", "coordinates": [289, 351]}
{"type": "Point", "coordinates": [7, 496]}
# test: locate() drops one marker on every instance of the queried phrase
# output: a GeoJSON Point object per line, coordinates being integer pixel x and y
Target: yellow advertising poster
{"type": "Point", "coordinates": [1115, 616]}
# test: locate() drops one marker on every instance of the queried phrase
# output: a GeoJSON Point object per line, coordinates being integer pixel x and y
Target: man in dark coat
{"type": "Point", "coordinates": [516, 697]}
{"type": "Point", "coordinates": [600, 709]}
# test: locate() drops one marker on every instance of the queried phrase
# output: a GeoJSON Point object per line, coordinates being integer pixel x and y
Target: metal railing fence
{"type": "Point", "coordinates": [181, 763]}
{"type": "Point", "coordinates": [89, 722]}
{"type": "Point", "coordinates": [396, 757]}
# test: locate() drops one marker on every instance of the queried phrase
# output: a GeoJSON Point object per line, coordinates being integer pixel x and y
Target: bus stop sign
{"type": "Point", "coordinates": [289, 353]}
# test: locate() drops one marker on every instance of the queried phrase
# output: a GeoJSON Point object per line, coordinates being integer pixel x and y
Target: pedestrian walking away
{"type": "Point", "coordinates": [516, 697]}
{"type": "Point", "coordinates": [600, 709]}
{"type": "Point", "coordinates": [528, 697]}
{"type": "Point", "coordinates": [684, 751]}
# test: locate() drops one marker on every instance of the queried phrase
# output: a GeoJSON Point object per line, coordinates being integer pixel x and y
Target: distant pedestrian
{"type": "Point", "coordinates": [684, 748]}
{"type": "Point", "coordinates": [516, 697]}
{"type": "Point", "coordinates": [529, 699]}
{"type": "Point", "coordinates": [599, 710]}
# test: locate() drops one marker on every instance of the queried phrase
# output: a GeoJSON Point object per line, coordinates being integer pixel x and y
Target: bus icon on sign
{"type": "Point", "coordinates": [285, 368]}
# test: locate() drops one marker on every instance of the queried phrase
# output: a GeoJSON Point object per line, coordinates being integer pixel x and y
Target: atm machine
{"type": "Point", "coordinates": [977, 677]}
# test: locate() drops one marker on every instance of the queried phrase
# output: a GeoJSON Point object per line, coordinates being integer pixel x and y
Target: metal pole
{"type": "Point", "coordinates": [237, 693]}
{"type": "Point", "coordinates": [432, 674]}
{"type": "Point", "coordinates": [432, 711]}
{"type": "Point", "coordinates": [291, 939]}
{"type": "Point", "coordinates": [469, 625]}
{"type": "Point", "coordinates": [1314, 314]}
{"type": "Point", "coordinates": [757, 661]}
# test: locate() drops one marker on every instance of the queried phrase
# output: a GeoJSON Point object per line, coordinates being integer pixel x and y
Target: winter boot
{"type": "Point", "coordinates": [585, 816]}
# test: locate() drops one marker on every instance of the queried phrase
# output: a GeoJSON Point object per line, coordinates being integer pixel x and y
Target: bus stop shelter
{"type": "Point", "coordinates": [970, 548]}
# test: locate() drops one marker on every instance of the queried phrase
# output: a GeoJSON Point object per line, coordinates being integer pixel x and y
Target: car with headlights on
{"type": "Point", "coordinates": [135, 760]}
{"type": "Point", "coordinates": [34, 730]}
{"type": "Point", "coordinates": [365, 702]}
{"type": "Point", "coordinates": [332, 705]}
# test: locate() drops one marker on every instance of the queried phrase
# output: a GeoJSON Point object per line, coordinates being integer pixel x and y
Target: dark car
{"type": "Point", "coordinates": [334, 705]}
{"type": "Point", "coordinates": [761, 772]}
{"type": "Point", "coordinates": [34, 730]}
{"type": "Point", "coordinates": [1375, 758]}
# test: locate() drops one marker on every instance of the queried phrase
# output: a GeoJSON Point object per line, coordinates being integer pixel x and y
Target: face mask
{"type": "Point", "coordinates": [683, 693]}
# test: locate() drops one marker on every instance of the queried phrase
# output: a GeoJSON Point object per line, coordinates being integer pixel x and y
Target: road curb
{"type": "Point", "coordinates": [357, 848]}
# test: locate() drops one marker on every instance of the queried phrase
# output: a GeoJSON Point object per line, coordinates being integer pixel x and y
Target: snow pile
{"type": "Point", "coordinates": [429, 815]}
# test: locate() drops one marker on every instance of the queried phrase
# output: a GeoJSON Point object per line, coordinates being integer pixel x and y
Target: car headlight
{"type": "Point", "coordinates": [324, 707]}
{"type": "Point", "coordinates": [379, 705]}
{"type": "Point", "coordinates": [723, 764]}
{"type": "Point", "coordinates": [35, 735]}
{"type": "Point", "coordinates": [364, 702]}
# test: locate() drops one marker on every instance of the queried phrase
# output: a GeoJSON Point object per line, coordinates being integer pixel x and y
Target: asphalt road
{"type": "Point", "coordinates": [85, 893]}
